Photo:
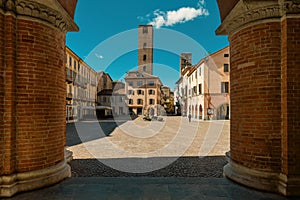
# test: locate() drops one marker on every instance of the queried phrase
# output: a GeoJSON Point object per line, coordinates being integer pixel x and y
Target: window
{"type": "Point", "coordinates": [151, 101]}
{"type": "Point", "coordinates": [144, 68]}
{"type": "Point", "coordinates": [140, 92]}
{"type": "Point", "coordinates": [151, 83]}
{"type": "Point", "coordinates": [226, 55]}
{"type": "Point", "coordinates": [75, 63]}
{"type": "Point", "coordinates": [145, 45]}
{"type": "Point", "coordinates": [140, 101]}
{"type": "Point", "coordinates": [70, 61]}
{"type": "Point", "coordinates": [139, 83]}
{"type": "Point", "coordinates": [104, 99]}
{"type": "Point", "coordinates": [130, 83]}
{"type": "Point", "coordinates": [194, 90]}
{"type": "Point", "coordinates": [200, 88]}
{"type": "Point", "coordinates": [199, 71]}
{"type": "Point", "coordinates": [130, 101]}
{"type": "Point", "coordinates": [151, 92]}
{"type": "Point", "coordinates": [145, 30]}
{"type": "Point", "coordinates": [130, 92]}
{"type": "Point", "coordinates": [144, 57]}
{"type": "Point", "coordinates": [224, 87]}
{"type": "Point", "coordinates": [226, 67]}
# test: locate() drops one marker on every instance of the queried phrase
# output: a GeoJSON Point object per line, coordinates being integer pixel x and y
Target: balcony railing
{"type": "Point", "coordinates": [70, 75]}
{"type": "Point", "coordinates": [81, 81]}
{"type": "Point", "coordinates": [93, 83]}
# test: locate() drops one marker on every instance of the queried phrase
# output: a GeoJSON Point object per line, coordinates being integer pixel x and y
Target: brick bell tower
{"type": "Point", "coordinates": [145, 49]}
{"type": "Point", "coordinates": [264, 41]}
{"type": "Point", "coordinates": [33, 93]}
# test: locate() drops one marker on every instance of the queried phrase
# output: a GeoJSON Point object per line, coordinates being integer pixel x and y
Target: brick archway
{"type": "Point", "coordinates": [265, 95]}
{"type": "Point", "coordinates": [32, 93]}
{"type": "Point", "coordinates": [264, 149]}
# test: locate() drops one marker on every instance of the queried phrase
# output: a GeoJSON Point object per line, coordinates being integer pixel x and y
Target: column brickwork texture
{"type": "Point", "coordinates": [264, 41]}
{"type": "Point", "coordinates": [256, 97]}
{"type": "Point", "coordinates": [2, 142]}
{"type": "Point", "coordinates": [41, 96]}
{"type": "Point", "coordinates": [9, 115]}
{"type": "Point", "coordinates": [291, 100]}
{"type": "Point", "coordinates": [32, 94]}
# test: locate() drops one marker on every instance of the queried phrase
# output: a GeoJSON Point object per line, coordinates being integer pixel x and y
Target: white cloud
{"type": "Point", "coordinates": [201, 3]}
{"type": "Point", "coordinates": [99, 56]}
{"type": "Point", "coordinates": [182, 15]}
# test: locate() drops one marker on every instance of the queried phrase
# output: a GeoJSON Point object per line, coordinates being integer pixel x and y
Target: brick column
{"type": "Point", "coordinates": [264, 150]}
{"type": "Point", "coordinates": [32, 94]}
{"type": "Point", "coordinates": [290, 176]}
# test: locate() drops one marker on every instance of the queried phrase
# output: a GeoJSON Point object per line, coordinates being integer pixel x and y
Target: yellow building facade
{"type": "Point", "coordinates": [81, 84]}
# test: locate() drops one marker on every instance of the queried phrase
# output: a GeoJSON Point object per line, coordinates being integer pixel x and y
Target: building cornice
{"type": "Point", "coordinates": [290, 6]}
{"type": "Point", "coordinates": [249, 12]}
{"type": "Point", "coordinates": [49, 11]}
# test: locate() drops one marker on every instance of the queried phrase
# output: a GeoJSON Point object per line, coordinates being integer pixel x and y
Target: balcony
{"type": "Point", "coordinates": [69, 96]}
{"type": "Point", "coordinates": [93, 83]}
{"type": "Point", "coordinates": [80, 81]}
{"type": "Point", "coordinates": [70, 75]}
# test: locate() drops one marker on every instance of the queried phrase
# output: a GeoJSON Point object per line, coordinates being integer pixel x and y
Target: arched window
{"type": "Point", "coordinates": [144, 57]}
{"type": "Point", "coordinates": [145, 30]}
{"type": "Point", "coordinates": [151, 101]}
{"type": "Point", "coordinates": [140, 101]}
{"type": "Point", "coordinates": [151, 92]}
{"type": "Point", "coordinates": [140, 92]}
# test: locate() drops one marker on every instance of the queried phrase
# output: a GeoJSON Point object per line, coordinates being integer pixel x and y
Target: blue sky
{"type": "Point", "coordinates": [107, 39]}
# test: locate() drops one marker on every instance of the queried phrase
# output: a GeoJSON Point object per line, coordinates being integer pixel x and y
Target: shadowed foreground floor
{"type": "Point", "coordinates": [147, 188]}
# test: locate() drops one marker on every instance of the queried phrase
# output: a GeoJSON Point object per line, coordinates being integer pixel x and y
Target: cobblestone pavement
{"type": "Point", "coordinates": [172, 148]}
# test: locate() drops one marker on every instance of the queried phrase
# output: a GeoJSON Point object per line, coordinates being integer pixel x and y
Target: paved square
{"type": "Point", "coordinates": [173, 147]}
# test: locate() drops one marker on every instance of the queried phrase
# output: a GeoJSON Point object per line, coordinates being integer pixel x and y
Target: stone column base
{"type": "Point", "coordinates": [289, 186]}
{"type": "Point", "coordinates": [20, 182]}
{"type": "Point", "coordinates": [267, 181]}
{"type": "Point", "coordinates": [68, 155]}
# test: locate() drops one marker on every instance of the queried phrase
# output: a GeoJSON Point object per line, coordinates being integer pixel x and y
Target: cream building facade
{"type": "Point", "coordinates": [81, 87]}
{"type": "Point", "coordinates": [203, 89]}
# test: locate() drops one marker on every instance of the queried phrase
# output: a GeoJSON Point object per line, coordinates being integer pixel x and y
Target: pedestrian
{"type": "Point", "coordinates": [190, 116]}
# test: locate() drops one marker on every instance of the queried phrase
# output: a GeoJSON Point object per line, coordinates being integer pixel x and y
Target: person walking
{"type": "Point", "coordinates": [190, 116]}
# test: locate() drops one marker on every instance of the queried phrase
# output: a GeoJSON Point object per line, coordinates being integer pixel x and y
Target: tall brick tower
{"type": "Point", "coordinates": [185, 62]}
{"type": "Point", "coordinates": [145, 48]}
